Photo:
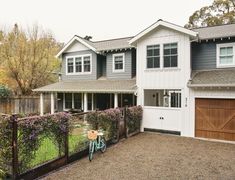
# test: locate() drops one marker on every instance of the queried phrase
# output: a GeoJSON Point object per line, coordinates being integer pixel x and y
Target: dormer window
{"type": "Point", "coordinates": [118, 62]}
{"type": "Point", "coordinates": [225, 55]}
{"type": "Point", "coordinates": [70, 65]}
{"type": "Point", "coordinates": [78, 64]}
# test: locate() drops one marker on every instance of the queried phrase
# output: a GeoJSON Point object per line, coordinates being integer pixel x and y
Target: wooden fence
{"type": "Point", "coordinates": [23, 105]}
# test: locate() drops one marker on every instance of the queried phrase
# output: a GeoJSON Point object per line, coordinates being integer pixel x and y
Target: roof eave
{"type": "Point", "coordinates": [71, 41]}
{"type": "Point", "coordinates": [165, 24]}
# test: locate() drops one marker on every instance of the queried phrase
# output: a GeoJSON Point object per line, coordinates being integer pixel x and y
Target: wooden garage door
{"type": "Point", "coordinates": [215, 118]}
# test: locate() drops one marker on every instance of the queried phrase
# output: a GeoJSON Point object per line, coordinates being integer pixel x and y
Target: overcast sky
{"type": "Point", "coordinates": [102, 19]}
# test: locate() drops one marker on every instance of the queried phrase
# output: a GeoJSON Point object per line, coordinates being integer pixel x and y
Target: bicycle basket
{"type": "Point", "coordinates": [92, 134]}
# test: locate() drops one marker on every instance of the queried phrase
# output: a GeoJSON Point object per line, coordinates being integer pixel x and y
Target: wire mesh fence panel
{"type": "Point", "coordinates": [77, 140]}
{"type": "Point", "coordinates": [40, 140]}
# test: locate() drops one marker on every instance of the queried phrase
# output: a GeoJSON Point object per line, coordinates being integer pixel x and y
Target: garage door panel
{"type": "Point", "coordinates": [215, 118]}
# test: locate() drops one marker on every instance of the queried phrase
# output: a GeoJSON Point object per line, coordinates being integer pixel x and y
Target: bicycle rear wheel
{"type": "Point", "coordinates": [91, 150]}
{"type": "Point", "coordinates": [104, 146]}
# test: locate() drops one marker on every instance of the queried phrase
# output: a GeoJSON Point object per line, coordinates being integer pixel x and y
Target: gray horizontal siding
{"type": "Point", "coordinates": [119, 75]}
{"type": "Point", "coordinates": [91, 76]}
{"type": "Point", "coordinates": [204, 54]}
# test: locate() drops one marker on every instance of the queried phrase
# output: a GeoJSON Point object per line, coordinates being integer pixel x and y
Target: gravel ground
{"type": "Point", "coordinates": [156, 156]}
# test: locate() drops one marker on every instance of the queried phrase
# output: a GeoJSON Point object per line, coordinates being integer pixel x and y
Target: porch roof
{"type": "Point", "coordinates": [213, 78]}
{"type": "Point", "coordinates": [98, 86]}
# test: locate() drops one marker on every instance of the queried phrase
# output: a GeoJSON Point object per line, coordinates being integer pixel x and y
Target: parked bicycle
{"type": "Point", "coordinates": [97, 142]}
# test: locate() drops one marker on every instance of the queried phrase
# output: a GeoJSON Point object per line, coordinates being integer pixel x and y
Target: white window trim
{"type": "Point", "coordinates": [74, 65]}
{"type": "Point", "coordinates": [119, 70]}
{"type": "Point", "coordinates": [160, 66]}
{"type": "Point", "coordinates": [177, 56]}
{"type": "Point", "coordinates": [218, 46]}
{"type": "Point", "coordinates": [162, 57]}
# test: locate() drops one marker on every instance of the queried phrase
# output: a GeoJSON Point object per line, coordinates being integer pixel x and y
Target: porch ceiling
{"type": "Point", "coordinates": [98, 86]}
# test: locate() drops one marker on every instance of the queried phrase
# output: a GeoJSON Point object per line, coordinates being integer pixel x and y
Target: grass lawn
{"type": "Point", "coordinates": [48, 150]}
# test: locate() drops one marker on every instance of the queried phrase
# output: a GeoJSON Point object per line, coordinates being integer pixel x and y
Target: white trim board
{"type": "Point", "coordinates": [75, 38]}
{"type": "Point", "coordinates": [164, 24]}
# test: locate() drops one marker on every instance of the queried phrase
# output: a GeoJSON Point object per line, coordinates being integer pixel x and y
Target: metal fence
{"type": "Point", "coordinates": [48, 157]}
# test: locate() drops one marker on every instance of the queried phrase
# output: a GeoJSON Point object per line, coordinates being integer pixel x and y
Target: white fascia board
{"type": "Point", "coordinates": [75, 38]}
{"type": "Point", "coordinates": [165, 24]}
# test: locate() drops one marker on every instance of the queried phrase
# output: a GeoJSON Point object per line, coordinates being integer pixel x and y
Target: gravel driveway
{"type": "Point", "coordinates": [156, 156]}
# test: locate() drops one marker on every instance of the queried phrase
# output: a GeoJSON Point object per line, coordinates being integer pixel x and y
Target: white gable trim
{"type": "Point", "coordinates": [165, 24]}
{"type": "Point", "coordinates": [75, 38]}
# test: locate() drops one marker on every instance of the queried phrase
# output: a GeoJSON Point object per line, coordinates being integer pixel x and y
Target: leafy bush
{"type": "Point", "coordinates": [32, 131]}
{"type": "Point", "coordinates": [4, 91]}
{"type": "Point", "coordinates": [134, 117]}
{"type": "Point", "coordinates": [5, 145]}
{"type": "Point", "coordinates": [106, 120]}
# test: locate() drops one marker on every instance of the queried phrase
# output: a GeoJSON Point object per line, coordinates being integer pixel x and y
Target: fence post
{"type": "Point", "coordinates": [14, 147]}
{"type": "Point", "coordinates": [125, 123]}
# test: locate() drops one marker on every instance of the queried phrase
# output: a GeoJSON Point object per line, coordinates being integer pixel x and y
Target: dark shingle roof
{"type": "Point", "coordinates": [221, 31]}
{"type": "Point", "coordinates": [111, 44]}
{"type": "Point", "coordinates": [213, 78]}
{"type": "Point", "coordinates": [103, 86]}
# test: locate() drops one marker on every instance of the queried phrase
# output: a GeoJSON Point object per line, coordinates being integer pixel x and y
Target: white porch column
{"type": "Point", "coordinates": [85, 102]}
{"type": "Point", "coordinates": [92, 102]}
{"type": "Point", "coordinates": [41, 104]}
{"type": "Point", "coordinates": [115, 100]}
{"type": "Point", "coordinates": [52, 103]}
{"type": "Point", "coordinates": [82, 103]}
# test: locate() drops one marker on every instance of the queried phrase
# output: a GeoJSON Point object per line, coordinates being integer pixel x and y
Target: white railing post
{"type": "Point", "coordinates": [52, 103]}
{"type": "Point", "coordinates": [115, 100]}
{"type": "Point", "coordinates": [41, 104]}
{"type": "Point", "coordinates": [85, 102]}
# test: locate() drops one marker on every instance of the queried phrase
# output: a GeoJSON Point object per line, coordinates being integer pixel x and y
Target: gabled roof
{"type": "Point", "coordinates": [98, 46]}
{"type": "Point", "coordinates": [213, 78]}
{"type": "Point", "coordinates": [164, 24]}
{"type": "Point", "coordinates": [213, 32]}
{"type": "Point", "coordinates": [102, 86]}
{"type": "Point", "coordinates": [79, 39]}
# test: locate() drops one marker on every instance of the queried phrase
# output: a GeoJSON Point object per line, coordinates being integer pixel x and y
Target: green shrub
{"type": "Point", "coordinates": [4, 91]}
{"type": "Point", "coordinates": [134, 117]}
{"type": "Point", "coordinates": [5, 146]}
{"type": "Point", "coordinates": [106, 120]}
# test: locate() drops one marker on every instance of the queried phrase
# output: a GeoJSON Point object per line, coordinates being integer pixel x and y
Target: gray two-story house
{"type": "Point", "coordinates": [183, 78]}
{"type": "Point", "coordinates": [94, 75]}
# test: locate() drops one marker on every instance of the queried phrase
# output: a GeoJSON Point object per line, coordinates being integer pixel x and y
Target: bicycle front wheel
{"type": "Point", "coordinates": [104, 146]}
{"type": "Point", "coordinates": [91, 150]}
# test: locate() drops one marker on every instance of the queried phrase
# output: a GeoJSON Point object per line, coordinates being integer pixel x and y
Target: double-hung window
{"type": "Point", "coordinates": [118, 62]}
{"type": "Point", "coordinates": [87, 63]}
{"type": "Point", "coordinates": [170, 55]}
{"type": "Point", "coordinates": [153, 56]}
{"type": "Point", "coordinates": [226, 55]}
{"type": "Point", "coordinates": [78, 64]}
{"type": "Point", "coordinates": [70, 65]}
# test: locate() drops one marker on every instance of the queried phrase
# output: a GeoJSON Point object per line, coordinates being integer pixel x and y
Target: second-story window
{"type": "Point", "coordinates": [70, 65]}
{"type": "Point", "coordinates": [153, 56]}
{"type": "Point", "coordinates": [87, 63]}
{"type": "Point", "coordinates": [226, 55]}
{"type": "Point", "coordinates": [170, 55]}
{"type": "Point", "coordinates": [118, 62]}
{"type": "Point", "coordinates": [78, 64]}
